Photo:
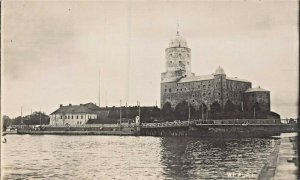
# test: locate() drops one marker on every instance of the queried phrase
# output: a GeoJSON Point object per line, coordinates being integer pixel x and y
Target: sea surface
{"type": "Point", "coordinates": [129, 157]}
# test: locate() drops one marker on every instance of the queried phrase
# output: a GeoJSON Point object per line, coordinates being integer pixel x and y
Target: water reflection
{"type": "Point", "coordinates": [115, 157]}
{"type": "Point", "coordinates": [196, 158]}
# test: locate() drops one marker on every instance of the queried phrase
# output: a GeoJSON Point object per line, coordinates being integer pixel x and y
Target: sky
{"type": "Point", "coordinates": [53, 51]}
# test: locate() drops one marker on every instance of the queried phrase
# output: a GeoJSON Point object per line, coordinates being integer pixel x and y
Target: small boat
{"type": "Point", "coordinates": [4, 140]}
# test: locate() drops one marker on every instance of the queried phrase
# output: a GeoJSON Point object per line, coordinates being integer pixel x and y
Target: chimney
{"type": "Point", "coordinates": [70, 104]}
{"type": "Point", "coordinates": [60, 105]}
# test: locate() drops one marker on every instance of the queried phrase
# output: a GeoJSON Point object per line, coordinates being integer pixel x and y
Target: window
{"type": "Point", "coordinates": [165, 90]}
{"type": "Point", "coordinates": [198, 86]}
{"type": "Point", "coordinates": [72, 117]}
{"type": "Point", "coordinates": [219, 94]}
{"type": "Point", "coordinates": [77, 116]}
{"type": "Point", "coordinates": [203, 94]}
{"type": "Point", "coordinates": [61, 117]}
{"type": "Point", "coordinates": [170, 90]}
{"type": "Point", "coordinates": [188, 63]}
{"type": "Point", "coordinates": [203, 86]}
{"type": "Point", "coordinates": [81, 116]}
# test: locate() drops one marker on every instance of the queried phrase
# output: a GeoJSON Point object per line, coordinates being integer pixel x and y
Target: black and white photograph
{"type": "Point", "coordinates": [149, 89]}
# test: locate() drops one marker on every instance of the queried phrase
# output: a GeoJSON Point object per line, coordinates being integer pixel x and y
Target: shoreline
{"type": "Point", "coordinates": [282, 163]}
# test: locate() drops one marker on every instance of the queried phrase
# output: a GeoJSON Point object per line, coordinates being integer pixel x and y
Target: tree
{"type": "Point", "coordinates": [256, 106]}
{"type": "Point", "coordinates": [215, 107]}
{"type": "Point", "coordinates": [6, 121]}
{"type": "Point", "coordinates": [182, 111]}
{"type": "Point", "coordinates": [167, 112]}
{"type": "Point", "coordinates": [229, 106]}
{"type": "Point", "coordinates": [36, 118]}
{"type": "Point", "coordinates": [202, 111]}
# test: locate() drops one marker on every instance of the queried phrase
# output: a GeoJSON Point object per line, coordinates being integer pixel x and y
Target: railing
{"type": "Point", "coordinates": [178, 123]}
{"type": "Point", "coordinates": [75, 126]}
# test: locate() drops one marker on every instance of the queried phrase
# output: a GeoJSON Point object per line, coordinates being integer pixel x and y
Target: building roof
{"type": "Point", "coordinates": [178, 41]}
{"type": "Point", "coordinates": [236, 79]}
{"type": "Point", "coordinates": [88, 108]}
{"type": "Point", "coordinates": [196, 78]}
{"type": "Point", "coordinates": [258, 89]}
{"type": "Point", "coordinates": [220, 70]}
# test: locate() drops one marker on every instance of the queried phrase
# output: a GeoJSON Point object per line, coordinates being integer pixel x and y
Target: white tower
{"type": "Point", "coordinates": [178, 59]}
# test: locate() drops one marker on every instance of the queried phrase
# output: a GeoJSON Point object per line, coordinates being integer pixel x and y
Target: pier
{"type": "Point", "coordinates": [201, 128]}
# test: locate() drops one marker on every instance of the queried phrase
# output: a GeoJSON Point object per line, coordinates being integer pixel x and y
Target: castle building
{"type": "Point", "coordinates": [214, 92]}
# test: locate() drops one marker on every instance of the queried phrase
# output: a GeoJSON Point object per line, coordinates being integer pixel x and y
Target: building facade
{"type": "Point", "coordinates": [74, 114]}
{"type": "Point", "coordinates": [214, 92]}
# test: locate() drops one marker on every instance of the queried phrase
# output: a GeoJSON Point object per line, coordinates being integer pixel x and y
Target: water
{"type": "Point", "coordinates": [115, 157]}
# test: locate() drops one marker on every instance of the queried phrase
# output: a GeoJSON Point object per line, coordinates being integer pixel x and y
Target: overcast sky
{"type": "Point", "coordinates": [52, 51]}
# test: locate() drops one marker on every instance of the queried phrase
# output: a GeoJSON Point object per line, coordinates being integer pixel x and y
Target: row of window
{"type": "Point", "coordinates": [204, 86]}
{"type": "Point", "coordinates": [75, 117]}
{"type": "Point", "coordinates": [231, 86]}
{"type": "Point", "coordinates": [204, 94]}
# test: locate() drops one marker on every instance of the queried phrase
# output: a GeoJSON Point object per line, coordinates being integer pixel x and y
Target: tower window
{"type": "Point", "coordinates": [165, 90]}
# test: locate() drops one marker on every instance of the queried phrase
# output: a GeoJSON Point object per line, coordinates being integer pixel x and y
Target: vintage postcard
{"type": "Point", "coordinates": [149, 89]}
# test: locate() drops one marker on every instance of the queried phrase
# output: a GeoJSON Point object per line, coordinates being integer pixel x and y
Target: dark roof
{"type": "Point", "coordinates": [74, 109]}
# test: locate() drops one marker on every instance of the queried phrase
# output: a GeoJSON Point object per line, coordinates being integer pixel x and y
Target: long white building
{"type": "Point", "coordinates": [74, 114]}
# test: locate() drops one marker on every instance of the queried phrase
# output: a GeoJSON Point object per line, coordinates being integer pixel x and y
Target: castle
{"type": "Point", "coordinates": [214, 92]}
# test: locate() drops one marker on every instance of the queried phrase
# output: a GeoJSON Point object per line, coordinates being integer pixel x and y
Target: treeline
{"type": "Point", "coordinates": [33, 119]}
{"type": "Point", "coordinates": [149, 114]}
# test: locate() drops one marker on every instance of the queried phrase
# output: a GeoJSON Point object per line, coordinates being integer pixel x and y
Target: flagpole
{"type": "Point", "coordinates": [120, 112]}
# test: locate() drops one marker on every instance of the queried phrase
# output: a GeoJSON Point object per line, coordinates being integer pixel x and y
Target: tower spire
{"type": "Point", "coordinates": [177, 29]}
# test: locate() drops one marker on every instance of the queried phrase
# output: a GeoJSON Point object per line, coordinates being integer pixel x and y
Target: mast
{"type": "Point", "coordinates": [40, 116]}
{"type": "Point", "coordinates": [21, 115]}
{"type": "Point", "coordinates": [99, 88]}
{"type": "Point", "coordinates": [139, 105]}
{"type": "Point", "coordinates": [120, 112]}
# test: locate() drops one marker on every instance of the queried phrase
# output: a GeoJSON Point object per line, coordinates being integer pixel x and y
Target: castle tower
{"type": "Point", "coordinates": [178, 59]}
{"type": "Point", "coordinates": [220, 86]}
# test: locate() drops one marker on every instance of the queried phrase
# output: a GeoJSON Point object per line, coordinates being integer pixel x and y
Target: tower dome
{"type": "Point", "coordinates": [220, 70]}
{"type": "Point", "coordinates": [178, 41]}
